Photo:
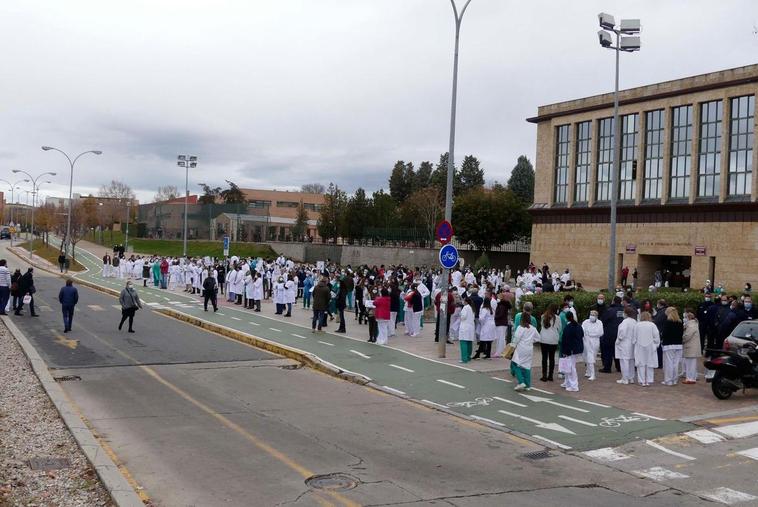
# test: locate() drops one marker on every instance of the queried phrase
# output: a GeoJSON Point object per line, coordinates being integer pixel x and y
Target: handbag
{"type": "Point", "coordinates": [564, 365]}
{"type": "Point", "coordinates": [509, 351]}
{"type": "Point", "coordinates": [27, 299]}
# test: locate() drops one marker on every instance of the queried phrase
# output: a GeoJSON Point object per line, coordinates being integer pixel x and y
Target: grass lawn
{"type": "Point", "coordinates": [50, 254]}
{"type": "Point", "coordinates": [173, 248]}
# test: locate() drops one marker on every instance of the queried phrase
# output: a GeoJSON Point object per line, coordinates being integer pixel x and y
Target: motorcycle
{"type": "Point", "coordinates": [735, 370]}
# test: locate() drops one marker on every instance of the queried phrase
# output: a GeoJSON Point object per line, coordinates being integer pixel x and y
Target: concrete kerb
{"type": "Point", "coordinates": [122, 494]}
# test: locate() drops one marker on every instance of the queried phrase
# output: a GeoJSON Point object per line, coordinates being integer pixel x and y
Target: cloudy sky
{"type": "Point", "coordinates": [278, 93]}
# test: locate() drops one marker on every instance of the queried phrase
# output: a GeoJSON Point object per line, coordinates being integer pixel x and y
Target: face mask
{"type": "Point", "coordinates": [593, 318]}
{"type": "Point", "coordinates": [725, 303]}
{"type": "Point", "coordinates": [601, 301]}
{"type": "Point", "coordinates": [748, 306]}
{"type": "Point", "coordinates": [571, 304]}
{"type": "Point", "coordinates": [707, 300]}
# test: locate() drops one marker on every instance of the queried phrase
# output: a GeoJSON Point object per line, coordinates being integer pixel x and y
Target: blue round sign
{"type": "Point", "coordinates": [448, 256]}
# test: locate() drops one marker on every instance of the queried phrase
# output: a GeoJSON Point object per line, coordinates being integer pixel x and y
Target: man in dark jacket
{"type": "Point", "coordinates": [321, 297]}
{"type": "Point", "coordinates": [659, 320]}
{"type": "Point", "coordinates": [611, 319]}
{"type": "Point", "coordinates": [342, 304]}
{"type": "Point", "coordinates": [450, 308]}
{"type": "Point", "coordinates": [26, 286]}
{"type": "Point", "coordinates": [209, 293]}
{"type": "Point", "coordinates": [599, 306]}
{"type": "Point", "coordinates": [704, 311]}
{"type": "Point", "coordinates": [68, 297]}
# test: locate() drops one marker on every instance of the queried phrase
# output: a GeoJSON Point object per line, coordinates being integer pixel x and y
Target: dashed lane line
{"type": "Point", "coordinates": [648, 416]}
{"type": "Point", "coordinates": [398, 391]}
{"type": "Point", "coordinates": [578, 421]}
{"type": "Point", "coordinates": [364, 356]}
{"type": "Point", "coordinates": [593, 403]}
{"type": "Point", "coordinates": [509, 401]}
{"type": "Point", "coordinates": [660, 474]}
{"type": "Point", "coordinates": [502, 379]}
{"type": "Point", "coordinates": [435, 404]}
{"type": "Point", "coordinates": [540, 390]}
{"type": "Point", "coordinates": [235, 318]}
{"type": "Point", "coordinates": [403, 368]}
{"type": "Point", "coordinates": [326, 343]}
{"type": "Point", "coordinates": [254, 324]}
{"type": "Point", "coordinates": [669, 451]}
{"type": "Point", "coordinates": [275, 329]}
{"type": "Point", "coordinates": [299, 336]}
{"type": "Point", "coordinates": [487, 420]}
{"type": "Point", "coordinates": [442, 381]}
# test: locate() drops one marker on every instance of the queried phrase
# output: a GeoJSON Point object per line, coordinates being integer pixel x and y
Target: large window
{"type": "Point", "coordinates": [681, 150]}
{"type": "Point", "coordinates": [604, 159]}
{"type": "Point", "coordinates": [709, 169]}
{"type": "Point", "coordinates": [583, 151]}
{"type": "Point", "coordinates": [561, 163]}
{"type": "Point", "coordinates": [741, 146]}
{"type": "Point", "coordinates": [627, 172]}
{"type": "Point", "coordinates": [653, 154]}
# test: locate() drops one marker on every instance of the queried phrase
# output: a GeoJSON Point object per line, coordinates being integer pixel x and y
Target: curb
{"type": "Point", "coordinates": [122, 494]}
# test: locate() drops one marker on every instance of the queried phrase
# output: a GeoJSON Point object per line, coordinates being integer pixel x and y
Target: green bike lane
{"type": "Point", "coordinates": [544, 416]}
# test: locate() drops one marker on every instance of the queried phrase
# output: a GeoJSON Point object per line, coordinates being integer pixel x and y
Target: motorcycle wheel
{"type": "Point", "coordinates": [720, 389]}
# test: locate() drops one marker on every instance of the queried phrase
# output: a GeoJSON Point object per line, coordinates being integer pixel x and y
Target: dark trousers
{"type": "Point", "coordinates": [68, 316]}
{"type": "Point", "coordinates": [342, 319]}
{"type": "Point", "coordinates": [437, 326]}
{"type": "Point", "coordinates": [373, 329]}
{"type": "Point", "coordinates": [289, 309]}
{"type": "Point", "coordinates": [318, 319]}
{"type": "Point", "coordinates": [5, 293]}
{"type": "Point", "coordinates": [548, 359]}
{"type": "Point", "coordinates": [484, 348]}
{"type": "Point", "coordinates": [210, 296]}
{"type": "Point", "coordinates": [127, 313]}
{"type": "Point", "coordinates": [607, 351]}
{"type": "Point", "coordinates": [16, 302]}
{"type": "Point", "coordinates": [280, 308]}
{"type": "Point", "coordinates": [221, 287]}
{"type": "Point", "coordinates": [21, 306]}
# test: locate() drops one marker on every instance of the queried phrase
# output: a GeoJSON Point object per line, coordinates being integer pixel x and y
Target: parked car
{"type": "Point", "coordinates": [5, 233]}
{"type": "Point", "coordinates": [746, 331]}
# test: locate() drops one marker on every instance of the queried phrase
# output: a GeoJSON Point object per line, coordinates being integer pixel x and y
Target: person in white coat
{"type": "Point", "coordinates": [258, 291]}
{"type": "Point", "coordinates": [521, 364]}
{"type": "Point", "coordinates": [249, 290]}
{"type": "Point", "coordinates": [290, 287]}
{"type": "Point", "coordinates": [645, 349]}
{"type": "Point", "coordinates": [280, 296]}
{"type": "Point", "coordinates": [487, 331]}
{"type": "Point", "coordinates": [467, 330]}
{"type": "Point", "coordinates": [627, 335]}
{"type": "Point", "coordinates": [593, 330]}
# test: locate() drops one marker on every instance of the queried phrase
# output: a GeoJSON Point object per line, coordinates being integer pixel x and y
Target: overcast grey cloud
{"type": "Point", "coordinates": [279, 93]}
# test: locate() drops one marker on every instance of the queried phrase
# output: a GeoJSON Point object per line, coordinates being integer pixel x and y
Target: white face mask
{"type": "Point", "coordinates": [601, 301]}
{"type": "Point", "coordinates": [593, 318]}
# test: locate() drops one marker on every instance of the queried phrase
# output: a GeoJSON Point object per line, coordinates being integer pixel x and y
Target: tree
{"type": "Point", "coordinates": [425, 206]}
{"type": "Point", "coordinates": [470, 176]}
{"type": "Point", "coordinates": [382, 212]}
{"type": "Point", "coordinates": [166, 193]}
{"type": "Point", "coordinates": [210, 194]}
{"type": "Point", "coordinates": [301, 223]}
{"type": "Point", "coordinates": [233, 194]}
{"type": "Point", "coordinates": [313, 188]}
{"type": "Point", "coordinates": [490, 217]}
{"type": "Point", "coordinates": [424, 175]}
{"type": "Point", "coordinates": [521, 181]}
{"type": "Point", "coordinates": [438, 178]}
{"type": "Point", "coordinates": [356, 213]}
{"type": "Point", "coordinates": [397, 183]}
{"type": "Point", "coordinates": [330, 223]}
{"type": "Point", "coordinates": [117, 190]}
{"type": "Point", "coordinates": [78, 228]}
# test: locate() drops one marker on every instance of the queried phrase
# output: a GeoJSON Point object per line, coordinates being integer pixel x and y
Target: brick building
{"type": "Point", "coordinates": [687, 182]}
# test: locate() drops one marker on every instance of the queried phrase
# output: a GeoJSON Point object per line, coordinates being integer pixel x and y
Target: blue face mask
{"type": "Point", "coordinates": [748, 306]}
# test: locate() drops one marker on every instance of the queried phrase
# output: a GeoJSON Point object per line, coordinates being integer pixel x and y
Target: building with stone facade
{"type": "Point", "coordinates": [687, 182]}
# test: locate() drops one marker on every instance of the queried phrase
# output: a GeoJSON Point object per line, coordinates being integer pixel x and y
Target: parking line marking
{"type": "Point", "coordinates": [398, 391]}
{"type": "Point", "coordinates": [502, 379]}
{"type": "Point", "coordinates": [364, 356]}
{"type": "Point", "coordinates": [577, 421]}
{"type": "Point", "coordinates": [299, 336]}
{"type": "Point", "coordinates": [669, 451]}
{"type": "Point", "coordinates": [487, 420]}
{"type": "Point", "coordinates": [509, 401]}
{"type": "Point", "coordinates": [593, 403]}
{"type": "Point", "coordinates": [326, 343]}
{"type": "Point", "coordinates": [451, 384]}
{"type": "Point", "coordinates": [402, 368]}
{"type": "Point", "coordinates": [553, 442]}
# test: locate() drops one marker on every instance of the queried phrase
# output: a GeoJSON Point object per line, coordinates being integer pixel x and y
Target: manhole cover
{"type": "Point", "coordinates": [538, 455]}
{"type": "Point", "coordinates": [67, 378]}
{"type": "Point", "coordinates": [332, 482]}
{"type": "Point", "coordinates": [49, 463]}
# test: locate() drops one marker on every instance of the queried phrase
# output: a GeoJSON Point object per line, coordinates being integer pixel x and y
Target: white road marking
{"type": "Point", "coordinates": [487, 420]}
{"type": "Point", "coordinates": [705, 436]}
{"type": "Point", "coordinates": [540, 399]}
{"type": "Point", "coordinates": [255, 324]}
{"type": "Point", "coordinates": [451, 384]}
{"type": "Point", "coordinates": [577, 421]}
{"type": "Point", "coordinates": [553, 442]}
{"type": "Point", "coordinates": [593, 403]}
{"type": "Point", "coordinates": [540, 424]}
{"type": "Point", "coordinates": [326, 343]}
{"type": "Point", "coordinates": [176, 302]}
{"type": "Point", "coordinates": [275, 329]}
{"type": "Point", "coordinates": [509, 401]}
{"type": "Point", "coordinates": [660, 474]}
{"type": "Point", "coordinates": [98, 308]}
{"type": "Point", "coordinates": [364, 356]}
{"type": "Point", "coordinates": [502, 379]}
{"type": "Point", "coordinates": [669, 451]}
{"type": "Point", "coordinates": [299, 336]}
{"type": "Point", "coordinates": [607, 454]}
{"type": "Point", "coordinates": [219, 313]}
{"type": "Point", "coordinates": [540, 390]}
{"type": "Point", "coordinates": [750, 453]}
{"type": "Point", "coordinates": [435, 404]}
{"type": "Point", "coordinates": [739, 430]}
{"type": "Point", "coordinates": [398, 391]}
{"type": "Point", "coordinates": [164, 297]}
{"type": "Point", "coordinates": [726, 495]}
{"type": "Point", "coordinates": [235, 318]}
{"type": "Point", "coordinates": [402, 368]}
{"type": "Point", "coordinates": [648, 416]}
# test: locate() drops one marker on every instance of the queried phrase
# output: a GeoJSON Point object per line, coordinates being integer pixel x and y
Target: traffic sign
{"type": "Point", "coordinates": [226, 246]}
{"type": "Point", "coordinates": [448, 256]}
{"type": "Point", "coordinates": [444, 232]}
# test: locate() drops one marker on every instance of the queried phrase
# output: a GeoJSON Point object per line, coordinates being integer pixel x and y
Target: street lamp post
{"type": "Point", "coordinates": [67, 239]}
{"type": "Point", "coordinates": [128, 218]}
{"type": "Point", "coordinates": [186, 161]}
{"type": "Point", "coordinates": [443, 332]}
{"type": "Point", "coordinates": [627, 41]}
{"type": "Point", "coordinates": [35, 188]}
{"type": "Point", "coordinates": [13, 187]}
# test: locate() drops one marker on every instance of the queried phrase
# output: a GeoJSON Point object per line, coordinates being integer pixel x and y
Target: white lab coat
{"type": "Point", "coordinates": [249, 286]}
{"type": "Point", "coordinates": [291, 291]}
{"type": "Point", "coordinates": [592, 333]}
{"type": "Point", "coordinates": [239, 282]}
{"type": "Point", "coordinates": [280, 294]}
{"type": "Point", "coordinates": [487, 325]}
{"type": "Point", "coordinates": [524, 340]}
{"type": "Point", "coordinates": [646, 345]}
{"type": "Point", "coordinates": [258, 289]}
{"type": "Point", "coordinates": [467, 329]}
{"type": "Point", "coordinates": [627, 335]}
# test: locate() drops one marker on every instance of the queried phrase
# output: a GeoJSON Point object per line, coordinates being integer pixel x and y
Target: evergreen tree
{"type": "Point", "coordinates": [521, 181]}
{"type": "Point", "coordinates": [424, 175]}
{"type": "Point", "coordinates": [409, 180]}
{"type": "Point", "coordinates": [331, 222]}
{"type": "Point", "coordinates": [438, 178]}
{"type": "Point", "coordinates": [383, 212]}
{"type": "Point", "coordinates": [488, 218]}
{"type": "Point", "coordinates": [398, 189]}
{"type": "Point", "coordinates": [210, 194]}
{"type": "Point", "coordinates": [301, 223]}
{"type": "Point", "coordinates": [470, 176]}
{"type": "Point", "coordinates": [356, 213]}
{"type": "Point", "coordinates": [233, 194]}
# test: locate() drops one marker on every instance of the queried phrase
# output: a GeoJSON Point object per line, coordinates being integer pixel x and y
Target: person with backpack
{"type": "Point", "coordinates": [209, 293]}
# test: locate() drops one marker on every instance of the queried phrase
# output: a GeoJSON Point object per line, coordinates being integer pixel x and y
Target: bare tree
{"type": "Point", "coordinates": [117, 190]}
{"type": "Point", "coordinates": [166, 193]}
{"type": "Point", "coordinates": [426, 205]}
{"type": "Point", "coordinates": [313, 188]}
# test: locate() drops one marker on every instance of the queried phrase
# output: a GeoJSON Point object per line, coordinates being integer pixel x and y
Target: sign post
{"type": "Point", "coordinates": [226, 246]}
{"type": "Point", "coordinates": [444, 232]}
{"type": "Point", "coordinates": [448, 256]}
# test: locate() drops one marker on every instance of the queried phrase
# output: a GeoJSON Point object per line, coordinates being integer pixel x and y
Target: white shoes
{"type": "Point", "coordinates": [622, 381]}
{"type": "Point", "coordinates": [591, 378]}
{"type": "Point", "coordinates": [572, 389]}
{"type": "Point", "coordinates": [520, 387]}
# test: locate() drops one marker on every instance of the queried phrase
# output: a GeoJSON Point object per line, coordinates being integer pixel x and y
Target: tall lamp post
{"type": "Point", "coordinates": [13, 187]}
{"type": "Point", "coordinates": [450, 168]}
{"type": "Point", "coordinates": [628, 42]}
{"type": "Point", "coordinates": [35, 188]}
{"type": "Point", "coordinates": [71, 162]}
{"type": "Point", "coordinates": [186, 161]}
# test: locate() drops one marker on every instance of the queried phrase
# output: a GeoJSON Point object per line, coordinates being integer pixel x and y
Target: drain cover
{"type": "Point", "coordinates": [67, 378]}
{"type": "Point", "coordinates": [332, 482]}
{"type": "Point", "coordinates": [538, 455]}
{"type": "Point", "coordinates": [49, 463]}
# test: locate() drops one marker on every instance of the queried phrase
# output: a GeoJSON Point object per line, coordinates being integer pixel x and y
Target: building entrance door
{"type": "Point", "coordinates": [675, 270]}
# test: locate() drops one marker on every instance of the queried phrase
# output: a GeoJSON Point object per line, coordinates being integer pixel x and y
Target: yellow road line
{"type": "Point", "coordinates": [729, 420]}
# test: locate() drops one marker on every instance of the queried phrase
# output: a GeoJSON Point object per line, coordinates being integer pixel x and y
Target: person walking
{"type": "Point", "coordinates": [521, 363]}
{"type": "Point", "coordinates": [691, 350]}
{"type": "Point", "coordinates": [15, 292]}
{"type": "Point", "coordinates": [26, 288]}
{"type": "Point", "coordinates": [5, 286]}
{"type": "Point", "coordinates": [130, 303]}
{"type": "Point", "coordinates": [341, 304]}
{"type": "Point", "coordinates": [671, 342]}
{"type": "Point", "coordinates": [209, 293]}
{"type": "Point", "coordinates": [645, 349]}
{"type": "Point", "coordinates": [68, 296]}
{"type": "Point", "coordinates": [549, 337]}
{"type": "Point", "coordinates": [321, 297]}
{"type": "Point", "coordinates": [466, 330]}
{"type": "Point", "coordinates": [572, 347]}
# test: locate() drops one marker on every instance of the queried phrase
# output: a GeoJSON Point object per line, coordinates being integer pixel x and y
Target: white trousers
{"type": "Point", "coordinates": [627, 369]}
{"type": "Point", "coordinates": [384, 326]}
{"type": "Point", "coordinates": [417, 322]}
{"type": "Point", "coordinates": [589, 369]}
{"type": "Point", "coordinates": [408, 321]}
{"type": "Point", "coordinates": [645, 374]}
{"type": "Point", "coordinates": [572, 379]}
{"type": "Point", "coordinates": [591, 346]}
{"type": "Point", "coordinates": [499, 345]}
{"type": "Point", "coordinates": [106, 270]}
{"type": "Point", "coordinates": [393, 320]}
{"type": "Point", "coordinates": [671, 359]}
{"type": "Point", "coordinates": [690, 367]}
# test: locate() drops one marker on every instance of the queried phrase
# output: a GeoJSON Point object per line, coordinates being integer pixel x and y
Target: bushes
{"type": "Point", "coordinates": [483, 262]}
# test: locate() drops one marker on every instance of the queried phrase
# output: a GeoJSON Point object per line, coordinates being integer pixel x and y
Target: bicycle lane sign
{"type": "Point", "coordinates": [448, 256]}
